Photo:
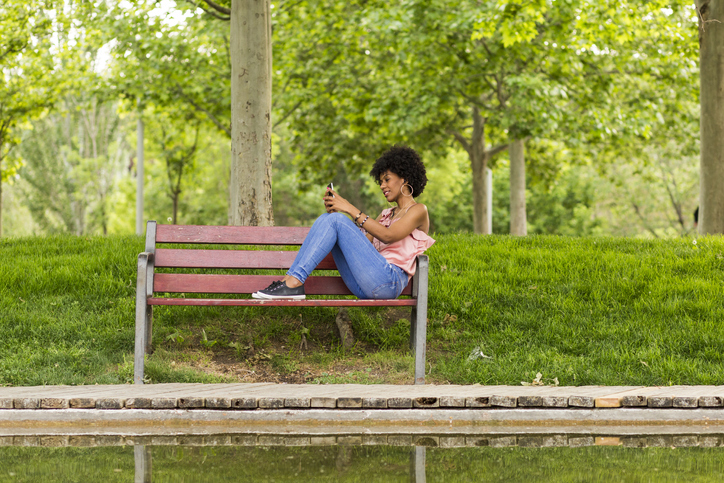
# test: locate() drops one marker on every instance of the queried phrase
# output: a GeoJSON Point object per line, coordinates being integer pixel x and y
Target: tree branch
{"type": "Point", "coordinates": [461, 139]}
{"type": "Point", "coordinates": [209, 12]}
{"type": "Point", "coordinates": [285, 6]}
{"type": "Point", "coordinates": [289, 112]}
{"type": "Point", "coordinates": [672, 197]}
{"type": "Point", "coordinates": [212, 118]}
{"type": "Point", "coordinates": [496, 150]}
{"type": "Point", "coordinates": [218, 8]}
{"type": "Point", "coordinates": [643, 220]}
{"type": "Point", "coordinates": [485, 46]}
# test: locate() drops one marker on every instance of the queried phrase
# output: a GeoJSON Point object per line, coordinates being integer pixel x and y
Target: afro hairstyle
{"type": "Point", "coordinates": [405, 163]}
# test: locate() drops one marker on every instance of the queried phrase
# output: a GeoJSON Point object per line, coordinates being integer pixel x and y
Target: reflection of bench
{"type": "Point", "coordinates": [150, 282]}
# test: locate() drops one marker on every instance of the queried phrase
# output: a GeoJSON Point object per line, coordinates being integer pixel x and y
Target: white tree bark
{"type": "Point", "coordinates": [711, 58]}
{"type": "Point", "coordinates": [518, 219]}
{"type": "Point", "coordinates": [489, 198]}
{"type": "Point", "coordinates": [479, 162]}
{"type": "Point", "coordinates": [250, 193]}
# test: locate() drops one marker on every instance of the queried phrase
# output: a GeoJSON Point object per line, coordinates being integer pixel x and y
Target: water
{"type": "Point", "coordinates": [401, 458]}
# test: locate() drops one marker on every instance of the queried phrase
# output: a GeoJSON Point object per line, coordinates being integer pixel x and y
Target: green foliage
{"type": "Point", "coordinates": [358, 76]}
{"type": "Point", "coordinates": [561, 199]}
{"type": "Point", "coordinates": [72, 160]}
{"type": "Point", "coordinates": [174, 59]}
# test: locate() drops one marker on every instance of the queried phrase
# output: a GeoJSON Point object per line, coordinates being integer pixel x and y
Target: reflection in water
{"type": "Point", "coordinates": [144, 474]}
{"type": "Point", "coordinates": [660, 458]}
{"type": "Point", "coordinates": [143, 463]}
{"type": "Point", "coordinates": [417, 465]}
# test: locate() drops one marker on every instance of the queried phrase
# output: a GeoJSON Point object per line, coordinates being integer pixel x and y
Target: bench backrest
{"type": "Point", "coordinates": [232, 259]}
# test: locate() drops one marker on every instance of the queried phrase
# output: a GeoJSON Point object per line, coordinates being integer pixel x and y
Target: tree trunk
{"type": "Point", "coordinates": [711, 60]}
{"type": "Point", "coordinates": [479, 161]}
{"type": "Point", "coordinates": [250, 190]}
{"type": "Point", "coordinates": [518, 220]}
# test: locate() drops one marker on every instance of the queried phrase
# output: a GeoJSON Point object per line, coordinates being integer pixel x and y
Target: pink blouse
{"type": "Point", "coordinates": [403, 252]}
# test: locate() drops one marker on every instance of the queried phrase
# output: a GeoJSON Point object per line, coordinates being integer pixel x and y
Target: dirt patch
{"type": "Point", "coordinates": [294, 369]}
{"type": "Point", "coordinates": [312, 357]}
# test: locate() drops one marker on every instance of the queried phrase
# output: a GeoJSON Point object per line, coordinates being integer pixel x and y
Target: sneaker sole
{"type": "Point", "coordinates": [261, 296]}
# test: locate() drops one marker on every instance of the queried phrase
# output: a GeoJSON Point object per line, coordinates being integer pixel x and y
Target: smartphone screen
{"type": "Point", "coordinates": [331, 186]}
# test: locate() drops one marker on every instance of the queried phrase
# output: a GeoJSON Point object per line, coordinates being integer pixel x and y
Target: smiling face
{"type": "Point", "coordinates": [391, 186]}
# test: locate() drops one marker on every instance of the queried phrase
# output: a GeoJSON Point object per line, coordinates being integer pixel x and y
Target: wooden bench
{"type": "Point", "coordinates": [149, 282]}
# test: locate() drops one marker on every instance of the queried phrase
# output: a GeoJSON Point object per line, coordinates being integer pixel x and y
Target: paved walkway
{"type": "Point", "coordinates": [355, 396]}
{"type": "Point", "coordinates": [361, 409]}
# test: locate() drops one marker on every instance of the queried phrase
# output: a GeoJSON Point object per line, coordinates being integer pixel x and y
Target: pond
{"type": "Point", "coordinates": [363, 458]}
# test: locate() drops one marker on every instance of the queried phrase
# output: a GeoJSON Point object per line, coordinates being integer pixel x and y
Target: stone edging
{"type": "Point", "coordinates": [446, 402]}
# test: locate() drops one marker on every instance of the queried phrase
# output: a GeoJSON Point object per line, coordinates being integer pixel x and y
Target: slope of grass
{"type": "Point", "coordinates": [579, 310]}
{"type": "Point", "coordinates": [582, 310]}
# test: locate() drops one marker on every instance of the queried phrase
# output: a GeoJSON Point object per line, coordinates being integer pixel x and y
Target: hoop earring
{"type": "Point", "coordinates": [409, 186]}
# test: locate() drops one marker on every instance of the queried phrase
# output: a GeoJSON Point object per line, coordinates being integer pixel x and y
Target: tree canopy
{"type": "Point", "coordinates": [610, 86]}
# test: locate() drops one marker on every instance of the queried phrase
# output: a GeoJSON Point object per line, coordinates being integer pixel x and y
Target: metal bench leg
{"type": "Point", "coordinates": [142, 321]}
{"type": "Point", "coordinates": [420, 344]}
{"type": "Point", "coordinates": [418, 325]}
{"type": "Point", "coordinates": [149, 329]}
{"type": "Point", "coordinates": [413, 328]}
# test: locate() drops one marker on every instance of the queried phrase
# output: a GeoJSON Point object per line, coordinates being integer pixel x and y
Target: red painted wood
{"type": "Point", "coordinates": [286, 303]}
{"type": "Point", "coordinates": [231, 235]}
{"type": "Point", "coordinates": [240, 284]}
{"type": "Point", "coordinates": [180, 258]}
{"type": "Point", "coordinates": [243, 284]}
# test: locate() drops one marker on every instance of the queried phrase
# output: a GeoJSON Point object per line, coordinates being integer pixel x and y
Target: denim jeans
{"type": "Point", "coordinates": [365, 272]}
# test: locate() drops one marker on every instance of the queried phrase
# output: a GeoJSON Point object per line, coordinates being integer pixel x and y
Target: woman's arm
{"type": "Point", "coordinates": [414, 218]}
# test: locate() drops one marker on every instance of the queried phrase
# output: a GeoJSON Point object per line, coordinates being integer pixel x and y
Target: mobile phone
{"type": "Point", "coordinates": [331, 186]}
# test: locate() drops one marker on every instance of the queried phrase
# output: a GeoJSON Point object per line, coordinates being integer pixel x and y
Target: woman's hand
{"type": "Point", "coordinates": [334, 203]}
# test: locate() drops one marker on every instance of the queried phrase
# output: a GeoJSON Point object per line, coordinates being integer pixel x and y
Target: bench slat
{"type": "Point", "coordinates": [243, 284]}
{"type": "Point", "coordinates": [180, 258]}
{"type": "Point", "coordinates": [231, 235]}
{"type": "Point", "coordinates": [286, 303]}
{"type": "Point", "coordinates": [240, 284]}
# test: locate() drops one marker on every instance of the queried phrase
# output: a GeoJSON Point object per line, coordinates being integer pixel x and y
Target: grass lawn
{"type": "Point", "coordinates": [501, 310]}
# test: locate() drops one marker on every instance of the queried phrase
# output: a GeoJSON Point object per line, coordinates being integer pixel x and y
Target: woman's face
{"type": "Point", "coordinates": [391, 186]}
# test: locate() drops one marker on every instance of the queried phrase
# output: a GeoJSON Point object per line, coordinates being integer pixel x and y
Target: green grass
{"type": "Point", "coordinates": [582, 310]}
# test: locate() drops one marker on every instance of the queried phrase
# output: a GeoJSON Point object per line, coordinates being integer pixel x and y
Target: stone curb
{"type": "Point", "coordinates": [442, 402]}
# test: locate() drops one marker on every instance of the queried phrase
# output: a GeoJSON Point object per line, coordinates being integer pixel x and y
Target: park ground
{"type": "Point", "coordinates": [503, 310]}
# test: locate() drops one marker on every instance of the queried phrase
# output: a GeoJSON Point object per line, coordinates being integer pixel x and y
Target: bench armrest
{"type": "Point", "coordinates": [144, 278]}
{"type": "Point", "coordinates": [420, 278]}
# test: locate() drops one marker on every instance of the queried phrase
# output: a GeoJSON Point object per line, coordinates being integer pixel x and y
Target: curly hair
{"type": "Point", "coordinates": [405, 163]}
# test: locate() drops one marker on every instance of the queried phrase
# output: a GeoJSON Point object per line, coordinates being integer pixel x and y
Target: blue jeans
{"type": "Point", "coordinates": [365, 272]}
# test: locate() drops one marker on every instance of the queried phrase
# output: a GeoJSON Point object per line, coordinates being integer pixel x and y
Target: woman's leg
{"type": "Point", "coordinates": [376, 278]}
{"type": "Point", "coordinates": [318, 244]}
{"type": "Point", "coordinates": [365, 272]}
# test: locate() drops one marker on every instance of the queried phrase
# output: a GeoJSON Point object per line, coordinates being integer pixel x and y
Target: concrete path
{"type": "Point", "coordinates": [171, 409]}
{"type": "Point", "coordinates": [355, 396]}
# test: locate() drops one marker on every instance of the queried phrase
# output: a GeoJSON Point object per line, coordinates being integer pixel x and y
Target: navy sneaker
{"type": "Point", "coordinates": [280, 290]}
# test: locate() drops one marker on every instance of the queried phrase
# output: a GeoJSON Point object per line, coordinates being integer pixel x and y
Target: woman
{"type": "Point", "coordinates": [375, 257]}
